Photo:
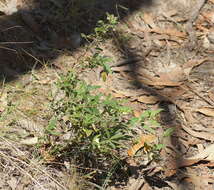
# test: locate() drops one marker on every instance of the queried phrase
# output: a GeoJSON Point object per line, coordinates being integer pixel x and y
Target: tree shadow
{"type": "Point", "coordinates": [168, 118]}
{"type": "Point", "coordinates": [32, 33]}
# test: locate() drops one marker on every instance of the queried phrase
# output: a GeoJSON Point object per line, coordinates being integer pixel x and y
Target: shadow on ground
{"type": "Point", "coordinates": [36, 31]}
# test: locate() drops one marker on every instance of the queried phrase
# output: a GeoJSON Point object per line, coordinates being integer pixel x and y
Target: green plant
{"type": "Point", "coordinates": [97, 127]}
{"type": "Point", "coordinates": [148, 122]}
{"type": "Point", "coordinates": [94, 119]}
{"type": "Point", "coordinates": [103, 29]}
{"type": "Point", "coordinates": [99, 60]}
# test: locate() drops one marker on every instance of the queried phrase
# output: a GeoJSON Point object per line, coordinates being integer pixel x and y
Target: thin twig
{"type": "Point", "coordinates": [22, 170]}
{"type": "Point", "coordinates": [34, 164]}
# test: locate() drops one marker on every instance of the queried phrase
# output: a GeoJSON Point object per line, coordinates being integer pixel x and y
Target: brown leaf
{"type": "Point", "coordinates": [127, 93]}
{"type": "Point", "coordinates": [200, 182]}
{"type": "Point", "coordinates": [171, 168]}
{"type": "Point", "coordinates": [169, 31]}
{"type": "Point", "coordinates": [212, 1]}
{"type": "Point", "coordinates": [206, 111]}
{"type": "Point", "coordinates": [202, 135]}
{"type": "Point", "coordinates": [189, 117]}
{"type": "Point", "coordinates": [160, 82]}
{"type": "Point", "coordinates": [144, 139]}
{"type": "Point", "coordinates": [174, 93]}
{"type": "Point", "coordinates": [191, 64]}
{"type": "Point", "coordinates": [207, 155]}
{"type": "Point", "coordinates": [148, 19]}
{"type": "Point", "coordinates": [175, 75]}
{"type": "Point", "coordinates": [137, 113]}
{"type": "Point", "coordinates": [209, 16]}
{"type": "Point", "coordinates": [211, 95]}
{"type": "Point", "coordinates": [148, 99]}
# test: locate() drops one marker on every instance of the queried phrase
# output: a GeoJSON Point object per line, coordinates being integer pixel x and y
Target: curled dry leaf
{"type": "Point", "coordinates": [169, 31]}
{"type": "Point", "coordinates": [206, 155]}
{"type": "Point", "coordinates": [143, 139]}
{"type": "Point", "coordinates": [201, 134]}
{"type": "Point", "coordinates": [206, 111]}
{"type": "Point", "coordinates": [159, 82]}
{"type": "Point", "coordinates": [148, 99]}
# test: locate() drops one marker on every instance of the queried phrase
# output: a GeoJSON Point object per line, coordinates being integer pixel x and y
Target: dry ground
{"type": "Point", "coordinates": [163, 57]}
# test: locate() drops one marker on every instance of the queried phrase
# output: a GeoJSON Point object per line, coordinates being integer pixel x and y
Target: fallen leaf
{"type": "Point", "coordinates": [206, 155]}
{"type": "Point", "coordinates": [30, 141]}
{"type": "Point", "coordinates": [148, 19]}
{"type": "Point", "coordinates": [175, 75]}
{"type": "Point", "coordinates": [171, 168]}
{"type": "Point", "coordinates": [206, 111]}
{"type": "Point", "coordinates": [209, 16]}
{"type": "Point", "coordinates": [158, 82]}
{"type": "Point", "coordinates": [200, 147]}
{"type": "Point", "coordinates": [211, 95]}
{"type": "Point", "coordinates": [170, 13]}
{"type": "Point", "coordinates": [128, 93]}
{"type": "Point", "coordinates": [200, 182]}
{"type": "Point", "coordinates": [188, 66]}
{"type": "Point", "coordinates": [46, 155]}
{"type": "Point", "coordinates": [201, 134]}
{"type": "Point", "coordinates": [189, 117]}
{"type": "Point", "coordinates": [3, 100]}
{"type": "Point", "coordinates": [173, 92]}
{"type": "Point", "coordinates": [169, 31]}
{"type": "Point", "coordinates": [144, 139]}
{"type": "Point", "coordinates": [137, 113]}
{"type": "Point", "coordinates": [148, 99]}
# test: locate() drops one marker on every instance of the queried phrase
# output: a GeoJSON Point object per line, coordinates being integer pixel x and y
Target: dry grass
{"type": "Point", "coordinates": [25, 114]}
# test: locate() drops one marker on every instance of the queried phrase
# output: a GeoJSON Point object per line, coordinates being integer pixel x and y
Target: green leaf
{"type": "Point", "coordinates": [159, 146]}
{"type": "Point", "coordinates": [149, 129]}
{"type": "Point", "coordinates": [155, 112]}
{"type": "Point", "coordinates": [168, 132]}
{"type": "Point", "coordinates": [117, 136]}
{"type": "Point", "coordinates": [107, 68]}
{"type": "Point", "coordinates": [145, 114]}
{"type": "Point", "coordinates": [50, 129]}
{"type": "Point", "coordinates": [96, 141]}
{"type": "Point", "coordinates": [133, 121]}
{"type": "Point", "coordinates": [88, 132]}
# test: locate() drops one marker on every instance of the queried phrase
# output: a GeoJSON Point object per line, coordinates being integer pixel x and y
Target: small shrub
{"type": "Point", "coordinates": [103, 29]}
{"type": "Point", "coordinates": [94, 119]}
